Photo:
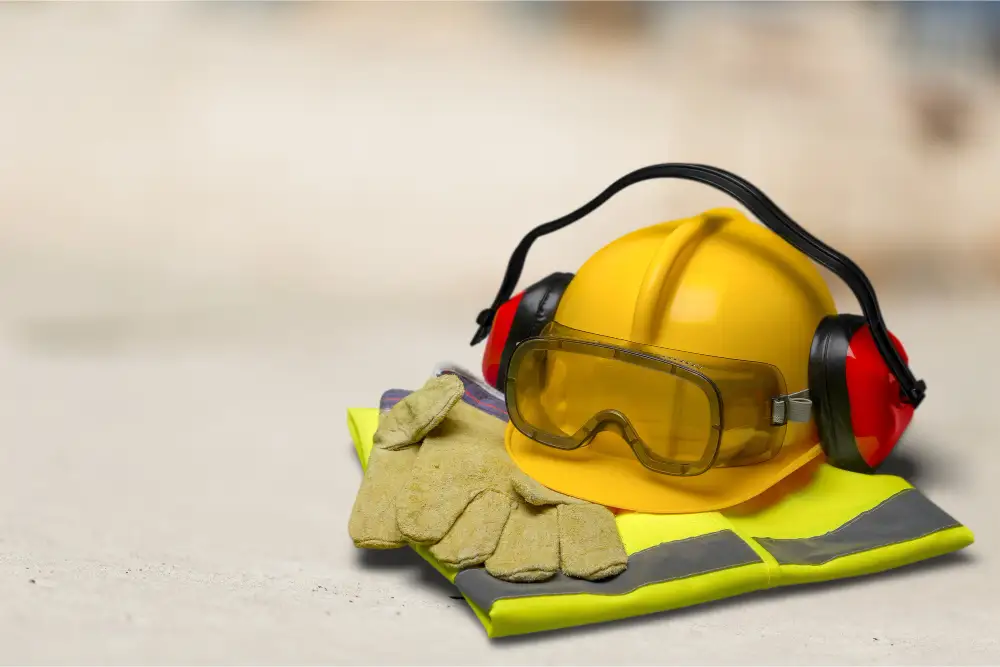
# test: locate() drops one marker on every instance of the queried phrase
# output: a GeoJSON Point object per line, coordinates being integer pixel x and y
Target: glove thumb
{"type": "Point", "coordinates": [418, 413]}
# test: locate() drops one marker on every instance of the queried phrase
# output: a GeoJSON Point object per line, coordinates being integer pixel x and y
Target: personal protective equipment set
{"type": "Point", "coordinates": [695, 377]}
{"type": "Point", "coordinates": [821, 524]}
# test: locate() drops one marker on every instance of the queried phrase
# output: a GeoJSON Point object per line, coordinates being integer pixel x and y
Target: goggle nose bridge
{"type": "Point", "coordinates": [610, 420]}
{"type": "Point", "coordinates": [616, 422]}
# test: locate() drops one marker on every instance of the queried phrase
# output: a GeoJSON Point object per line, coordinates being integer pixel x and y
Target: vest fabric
{"type": "Point", "coordinates": [840, 524]}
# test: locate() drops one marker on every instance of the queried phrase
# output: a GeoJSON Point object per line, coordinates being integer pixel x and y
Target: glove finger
{"type": "Point", "coordinates": [433, 498]}
{"type": "Point", "coordinates": [529, 546]}
{"type": "Point", "coordinates": [372, 524]}
{"type": "Point", "coordinates": [477, 531]}
{"type": "Point", "coordinates": [536, 494]}
{"type": "Point", "coordinates": [590, 546]}
{"type": "Point", "coordinates": [454, 466]}
{"type": "Point", "coordinates": [418, 413]}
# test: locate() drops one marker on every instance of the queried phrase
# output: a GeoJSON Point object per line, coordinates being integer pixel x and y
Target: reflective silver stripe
{"type": "Point", "coordinates": [664, 562]}
{"type": "Point", "coordinates": [908, 515]}
{"type": "Point", "coordinates": [905, 516]}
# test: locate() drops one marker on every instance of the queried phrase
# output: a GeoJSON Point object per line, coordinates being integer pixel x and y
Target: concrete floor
{"type": "Point", "coordinates": [183, 498]}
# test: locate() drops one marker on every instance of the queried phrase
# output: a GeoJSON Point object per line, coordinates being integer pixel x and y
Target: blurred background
{"type": "Point", "coordinates": [166, 168]}
{"type": "Point", "coordinates": [222, 224]}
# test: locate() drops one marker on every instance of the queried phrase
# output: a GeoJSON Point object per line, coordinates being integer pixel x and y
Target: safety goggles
{"type": "Point", "coordinates": [681, 413]}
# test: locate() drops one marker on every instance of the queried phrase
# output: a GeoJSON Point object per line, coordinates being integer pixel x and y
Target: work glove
{"type": "Point", "coordinates": [394, 451]}
{"type": "Point", "coordinates": [465, 499]}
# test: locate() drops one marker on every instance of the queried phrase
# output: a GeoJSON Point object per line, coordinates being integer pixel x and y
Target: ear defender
{"type": "Point", "coordinates": [520, 318]}
{"type": "Point", "coordinates": [860, 411]}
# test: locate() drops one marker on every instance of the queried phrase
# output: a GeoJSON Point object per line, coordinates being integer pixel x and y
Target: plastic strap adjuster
{"type": "Point", "coordinates": [795, 407]}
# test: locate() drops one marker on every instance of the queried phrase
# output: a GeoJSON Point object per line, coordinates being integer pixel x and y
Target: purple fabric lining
{"type": "Point", "coordinates": [475, 396]}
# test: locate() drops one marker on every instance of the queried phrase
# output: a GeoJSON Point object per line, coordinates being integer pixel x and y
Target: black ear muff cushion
{"type": "Point", "coordinates": [537, 308]}
{"type": "Point", "coordinates": [828, 389]}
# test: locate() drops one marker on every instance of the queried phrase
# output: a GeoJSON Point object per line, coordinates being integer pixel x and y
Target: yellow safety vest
{"type": "Point", "coordinates": [841, 524]}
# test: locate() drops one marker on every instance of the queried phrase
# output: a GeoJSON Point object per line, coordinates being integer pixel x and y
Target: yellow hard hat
{"type": "Point", "coordinates": [682, 333]}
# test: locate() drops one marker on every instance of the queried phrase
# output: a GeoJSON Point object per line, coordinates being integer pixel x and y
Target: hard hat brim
{"type": "Point", "coordinates": [624, 483]}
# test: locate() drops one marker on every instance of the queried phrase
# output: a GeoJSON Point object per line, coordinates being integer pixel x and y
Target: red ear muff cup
{"type": "Point", "coordinates": [522, 317]}
{"type": "Point", "coordinates": [497, 340]}
{"type": "Point", "coordinates": [878, 413]}
{"type": "Point", "coordinates": [860, 413]}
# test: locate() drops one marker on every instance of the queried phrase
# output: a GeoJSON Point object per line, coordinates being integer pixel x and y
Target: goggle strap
{"type": "Point", "coordinates": [795, 407]}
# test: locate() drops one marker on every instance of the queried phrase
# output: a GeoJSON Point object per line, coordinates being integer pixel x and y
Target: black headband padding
{"type": "Point", "coordinates": [537, 308]}
{"type": "Point", "coordinates": [828, 389]}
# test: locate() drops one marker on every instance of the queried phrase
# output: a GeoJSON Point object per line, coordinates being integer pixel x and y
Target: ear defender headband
{"type": "Point", "coordinates": [862, 390]}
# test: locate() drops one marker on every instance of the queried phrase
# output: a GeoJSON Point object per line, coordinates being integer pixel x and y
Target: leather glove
{"type": "Point", "coordinates": [465, 499]}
